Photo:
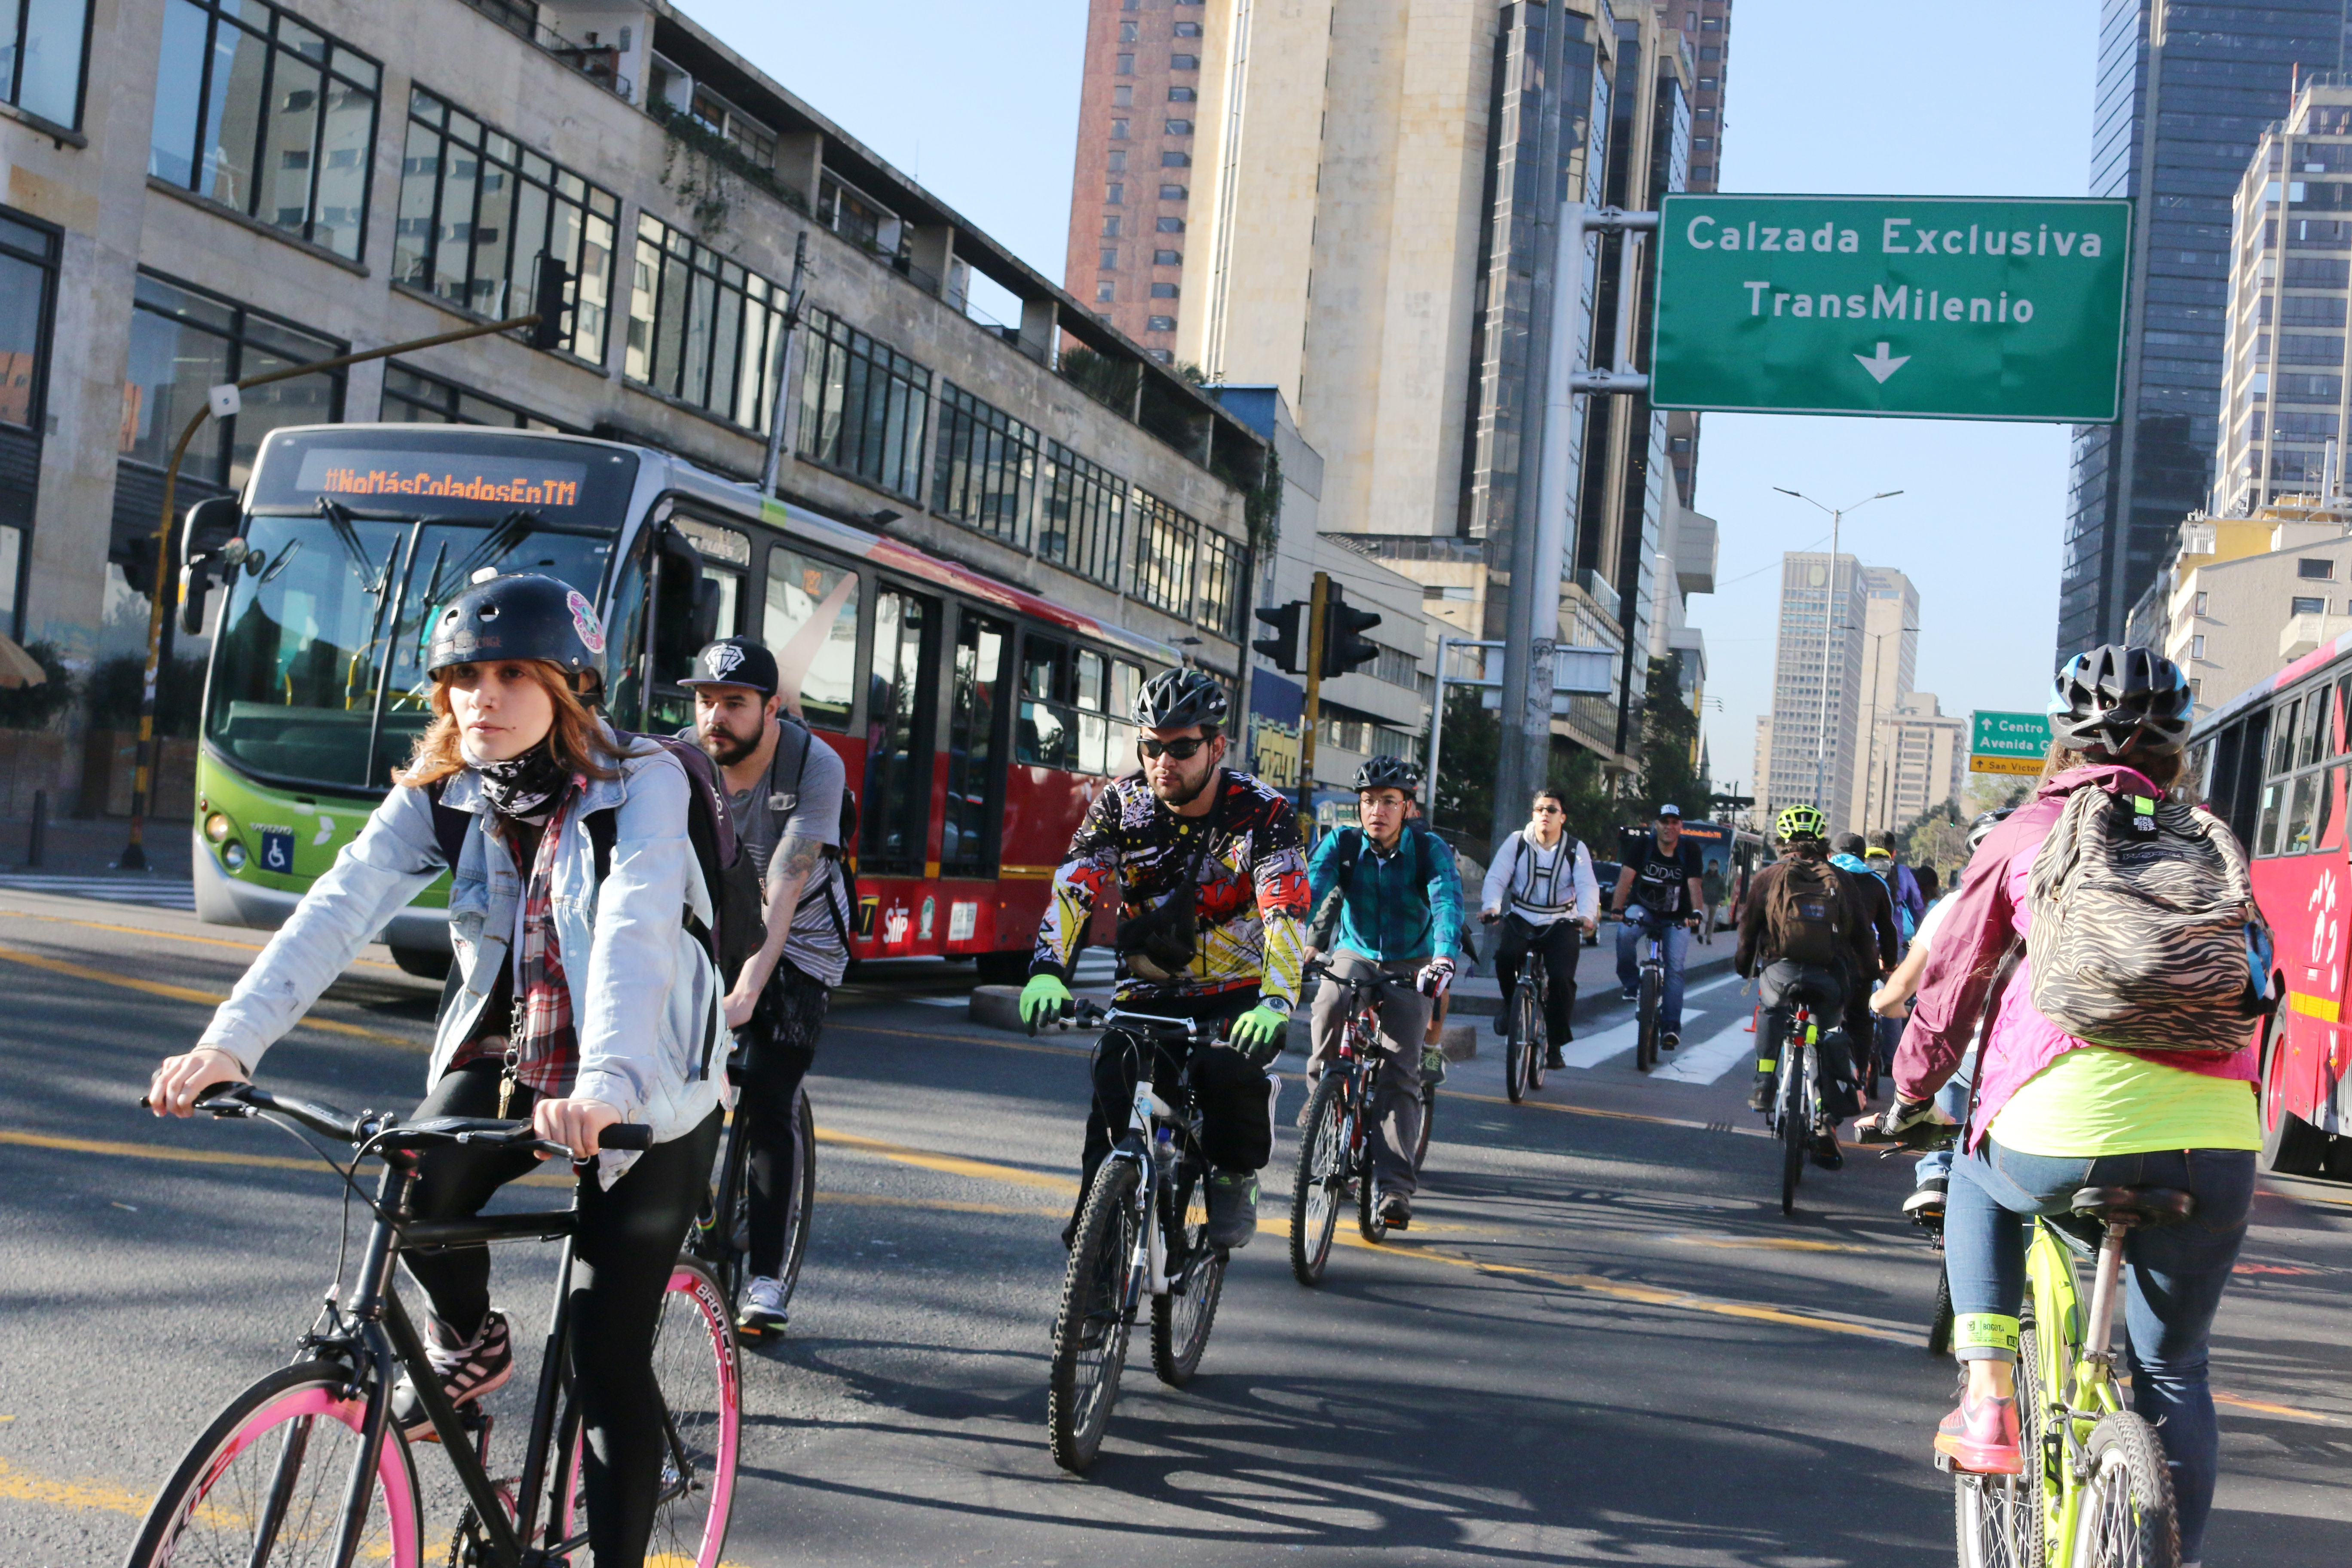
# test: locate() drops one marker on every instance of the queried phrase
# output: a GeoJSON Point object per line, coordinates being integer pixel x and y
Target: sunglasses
{"type": "Point", "coordinates": [1183, 751]}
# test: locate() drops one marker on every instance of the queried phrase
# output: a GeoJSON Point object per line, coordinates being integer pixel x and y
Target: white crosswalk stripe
{"type": "Point", "coordinates": [156, 894]}
{"type": "Point", "coordinates": [1710, 1058]}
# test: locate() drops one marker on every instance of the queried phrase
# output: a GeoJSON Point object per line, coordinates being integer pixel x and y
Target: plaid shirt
{"type": "Point", "coordinates": [539, 1033]}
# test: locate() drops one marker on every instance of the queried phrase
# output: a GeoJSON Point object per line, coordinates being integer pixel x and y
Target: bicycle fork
{"type": "Point", "coordinates": [1148, 1269]}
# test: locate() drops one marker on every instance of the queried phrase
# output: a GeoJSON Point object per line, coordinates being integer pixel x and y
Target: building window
{"type": "Point", "coordinates": [1183, 62]}
{"type": "Point", "coordinates": [1163, 290]}
{"type": "Point", "coordinates": [1179, 127]}
{"type": "Point", "coordinates": [858, 218]}
{"type": "Point", "coordinates": [1084, 517]}
{"type": "Point", "coordinates": [2197, 645]}
{"type": "Point", "coordinates": [1188, 29]}
{"type": "Point", "coordinates": [1110, 228]}
{"type": "Point", "coordinates": [1166, 542]}
{"type": "Point", "coordinates": [1118, 129]}
{"type": "Point", "coordinates": [2202, 600]}
{"type": "Point", "coordinates": [41, 73]}
{"type": "Point", "coordinates": [184, 340]}
{"type": "Point", "coordinates": [1127, 65]}
{"type": "Point", "coordinates": [863, 405]}
{"type": "Point", "coordinates": [1171, 225]}
{"type": "Point", "coordinates": [1109, 259]}
{"type": "Point", "coordinates": [701, 328]}
{"type": "Point", "coordinates": [1129, 32]}
{"type": "Point", "coordinates": [265, 116]}
{"type": "Point", "coordinates": [1103, 293]}
{"type": "Point", "coordinates": [1175, 160]}
{"type": "Point", "coordinates": [1122, 97]}
{"type": "Point", "coordinates": [985, 468]}
{"type": "Point", "coordinates": [28, 262]}
{"type": "Point", "coordinates": [477, 212]}
{"type": "Point", "coordinates": [1221, 585]}
{"type": "Point", "coordinates": [1115, 195]}
{"type": "Point", "coordinates": [1117, 162]}
{"type": "Point", "coordinates": [2315, 570]}
{"type": "Point", "coordinates": [2307, 607]}
{"type": "Point", "coordinates": [747, 135]}
{"type": "Point", "coordinates": [1710, 51]}
{"type": "Point", "coordinates": [1397, 668]}
{"type": "Point", "coordinates": [1171, 192]}
{"type": "Point", "coordinates": [1181, 95]}
{"type": "Point", "coordinates": [413, 397]}
{"type": "Point", "coordinates": [1167, 258]}
{"type": "Point", "coordinates": [1159, 325]}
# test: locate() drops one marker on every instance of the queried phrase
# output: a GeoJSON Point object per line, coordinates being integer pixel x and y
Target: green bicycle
{"type": "Point", "coordinates": [2095, 1493]}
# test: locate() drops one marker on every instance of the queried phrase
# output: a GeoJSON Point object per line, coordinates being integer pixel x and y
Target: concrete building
{"type": "Point", "coordinates": [1367, 229]}
{"type": "Point", "coordinates": [1918, 760]}
{"type": "Point", "coordinates": [2234, 621]}
{"type": "Point", "coordinates": [2203, 541]}
{"type": "Point", "coordinates": [2176, 138]}
{"type": "Point", "coordinates": [1824, 607]}
{"type": "Point", "coordinates": [399, 174]}
{"type": "Point", "coordinates": [1890, 660]}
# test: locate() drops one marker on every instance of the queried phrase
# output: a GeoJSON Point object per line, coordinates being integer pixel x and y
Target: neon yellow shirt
{"type": "Point", "coordinates": [2093, 1100]}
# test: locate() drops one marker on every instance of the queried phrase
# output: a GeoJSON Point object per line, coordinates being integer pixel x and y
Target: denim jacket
{"type": "Point", "coordinates": [644, 995]}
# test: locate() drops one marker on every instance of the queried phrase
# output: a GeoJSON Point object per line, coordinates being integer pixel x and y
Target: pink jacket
{"type": "Point", "coordinates": [1969, 946]}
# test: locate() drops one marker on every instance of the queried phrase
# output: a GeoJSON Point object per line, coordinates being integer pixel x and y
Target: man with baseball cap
{"type": "Point", "coordinates": [784, 791]}
{"type": "Point", "coordinates": [1658, 888]}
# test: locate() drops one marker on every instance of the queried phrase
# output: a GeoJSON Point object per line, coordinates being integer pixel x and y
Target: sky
{"type": "Point", "coordinates": [1860, 97]}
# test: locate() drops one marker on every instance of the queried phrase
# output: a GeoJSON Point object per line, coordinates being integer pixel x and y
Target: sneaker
{"type": "Point", "coordinates": [763, 1315]}
{"type": "Point", "coordinates": [1826, 1152]}
{"type": "Point", "coordinates": [1926, 1199]}
{"type": "Point", "coordinates": [1396, 1210]}
{"type": "Point", "coordinates": [1669, 1040]}
{"type": "Point", "coordinates": [1233, 1208]}
{"type": "Point", "coordinates": [1759, 1098]}
{"type": "Point", "coordinates": [1502, 1019]}
{"type": "Point", "coordinates": [1629, 995]}
{"type": "Point", "coordinates": [1982, 1436]}
{"type": "Point", "coordinates": [468, 1369]}
{"type": "Point", "coordinates": [1553, 1060]}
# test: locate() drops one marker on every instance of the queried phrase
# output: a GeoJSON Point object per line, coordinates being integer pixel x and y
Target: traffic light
{"type": "Point", "coordinates": [1286, 648]}
{"type": "Point", "coordinates": [549, 285]}
{"type": "Point", "coordinates": [1344, 644]}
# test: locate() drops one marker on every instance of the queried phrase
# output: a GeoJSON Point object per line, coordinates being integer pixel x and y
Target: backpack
{"type": "Point", "coordinates": [2143, 932]}
{"type": "Point", "coordinates": [727, 874]}
{"type": "Point", "coordinates": [1805, 912]}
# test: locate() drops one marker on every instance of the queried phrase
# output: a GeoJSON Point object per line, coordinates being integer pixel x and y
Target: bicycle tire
{"type": "Point", "coordinates": [214, 1493]}
{"type": "Point", "coordinates": [2127, 1519]}
{"type": "Point", "coordinates": [1181, 1319]}
{"type": "Point", "coordinates": [1082, 1387]}
{"type": "Point", "coordinates": [802, 1211]}
{"type": "Point", "coordinates": [1539, 1038]}
{"type": "Point", "coordinates": [1516, 1043]}
{"type": "Point", "coordinates": [1315, 1185]}
{"type": "Point", "coordinates": [1796, 1129]}
{"type": "Point", "coordinates": [1645, 1027]}
{"type": "Point", "coordinates": [1428, 1119]}
{"type": "Point", "coordinates": [1992, 1521]}
{"type": "Point", "coordinates": [1939, 1326]}
{"type": "Point", "coordinates": [2032, 1413]}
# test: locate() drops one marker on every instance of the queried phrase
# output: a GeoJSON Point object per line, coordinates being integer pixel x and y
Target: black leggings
{"type": "Point", "coordinates": [1557, 947]}
{"type": "Point", "coordinates": [778, 1049]}
{"type": "Point", "coordinates": [627, 1237]}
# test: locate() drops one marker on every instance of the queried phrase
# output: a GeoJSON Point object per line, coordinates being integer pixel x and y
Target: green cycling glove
{"type": "Point", "coordinates": [1042, 1000]}
{"type": "Point", "coordinates": [1258, 1033]}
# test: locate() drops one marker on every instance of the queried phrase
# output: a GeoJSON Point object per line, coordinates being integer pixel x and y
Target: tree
{"type": "Point", "coordinates": [1669, 739]}
{"type": "Point", "coordinates": [1939, 839]}
{"type": "Point", "coordinates": [1464, 793]}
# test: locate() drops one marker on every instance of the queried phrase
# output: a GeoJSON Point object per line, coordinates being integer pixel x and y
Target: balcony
{"type": "Point", "coordinates": [2302, 634]}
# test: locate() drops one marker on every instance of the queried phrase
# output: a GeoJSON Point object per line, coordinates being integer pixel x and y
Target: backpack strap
{"type": "Point", "coordinates": [451, 825]}
{"type": "Point", "coordinates": [832, 853]}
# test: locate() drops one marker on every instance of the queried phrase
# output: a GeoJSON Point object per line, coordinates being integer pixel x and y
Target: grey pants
{"type": "Point", "coordinates": [1395, 1129]}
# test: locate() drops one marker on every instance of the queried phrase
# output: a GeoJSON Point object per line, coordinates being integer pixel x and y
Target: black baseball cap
{"type": "Point", "coordinates": [735, 662]}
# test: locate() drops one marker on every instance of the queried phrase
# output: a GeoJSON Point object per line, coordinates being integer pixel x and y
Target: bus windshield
{"type": "Point", "coordinates": [317, 674]}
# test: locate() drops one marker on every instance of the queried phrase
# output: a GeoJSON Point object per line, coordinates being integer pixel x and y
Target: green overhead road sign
{"type": "Point", "coordinates": [2008, 743]}
{"type": "Point", "coordinates": [1926, 307]}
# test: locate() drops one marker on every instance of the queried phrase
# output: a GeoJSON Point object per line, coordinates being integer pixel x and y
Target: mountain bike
{"type": "Point", "coordinates": [727, 1248]}
{"type": "Point", "coordinates": [1651, 996]}
{"type": "Point", "coordinates": [1796, 1102]}
{"type": "Point", "coordinates": [305, 1466]}
{"type": "Point", "coordinates": [1525, 1042]}
{"type": "Point", "coordinates": [2095, 1491]}
{"type": "Point", "coordinates": [1144, 1230]}
{"type": "Point", "coordinates": [1335, 1146]}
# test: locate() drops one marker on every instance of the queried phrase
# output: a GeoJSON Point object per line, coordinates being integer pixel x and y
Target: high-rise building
{"type": "Point", "coordinates": [1813, 756]}
{"type": "Point", "coordinates": [1890, 658]}
{"type": "Point", "coordinates": [1706, 29]}
{"type": "Point", "coordinates": [2223, 69]}
{"type": "Point", "coordinates": [1918, 760]}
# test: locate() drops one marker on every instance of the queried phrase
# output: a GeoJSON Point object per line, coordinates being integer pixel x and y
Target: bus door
{"type": "Point", "coordinates": [661, 612]}
{"type": "Point", "coordinates": [902, 766]}
{"type": "Point", "coordinates": [978, 721]}
{"type": "Point", "coordinates": [2300, 881]}
{"type": "Point", "coordinates": [726, 561]}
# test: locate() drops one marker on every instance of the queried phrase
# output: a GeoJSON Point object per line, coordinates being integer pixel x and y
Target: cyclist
{"type": "Point", "coordinates": [1797, 938]}
{"type": "Point", "coordinates": [1658, 885]}
{"type": "Point", "coordinates": [574, 1004]}
{"type": "Point", "coordinates": [783, 790]}
{"type": "Point", "coordinates": [1542, 889]}
{"type": "Point", "coordinates": [2055, 1113]}
{"type": "Point", "coordinates": [1205, 862]}
{"type": "Point", "coordinates": [1878, 901]}
{"type": "Point", "coordinates": [1910, 894]}
{"type": "Point", "coordinates": [1396, 902]}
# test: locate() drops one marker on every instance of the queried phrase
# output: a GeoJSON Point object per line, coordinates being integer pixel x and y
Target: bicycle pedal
{"type": "Point", "coordinates": [1944, 1463]}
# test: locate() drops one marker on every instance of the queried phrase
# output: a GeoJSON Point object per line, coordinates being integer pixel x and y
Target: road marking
{"type": "Point", "coordinates": [1709, 1060]}
{"type": "Point", "coordinates": [23, 1486]}
{"type": "Point", "coordinates": [108, 889]}
{"type": "Point", "coordinates": [189, 993]}
{"type": "Point", "coordinates": [952, 1164]}
{"type": "Point", "coordinates": [167, 935]}
{"type": "Point", "coordinates": [2268, 1409]}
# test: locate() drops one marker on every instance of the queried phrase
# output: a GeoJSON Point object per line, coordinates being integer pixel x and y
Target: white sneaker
{"type": "Point", "coordinates": [763, 1312]}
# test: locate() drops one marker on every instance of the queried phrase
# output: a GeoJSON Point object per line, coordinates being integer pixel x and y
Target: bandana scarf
{"type": "Point", "coordinates": [521, 786]}
{"type": "Point", "coordinates": [542, 1052]}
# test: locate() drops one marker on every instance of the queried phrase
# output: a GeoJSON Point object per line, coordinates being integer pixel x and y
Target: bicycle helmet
{"type": "Point", "coordinates": [1801, 822]}
{"type": "Point", "coordinates": [2114, 698]}
{"type": "Point", "coordinates": [1389, 772]}
{"type": "Point", "coordinates": [1174, 698]}
{"type": "Point", "coordinates": [1983, 825]}
{"type": "Point", "coordinates": [519, 616]}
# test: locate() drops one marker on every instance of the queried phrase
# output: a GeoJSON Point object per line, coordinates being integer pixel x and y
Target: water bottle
{"type": "Point", "coordinates": [1163, 1157]}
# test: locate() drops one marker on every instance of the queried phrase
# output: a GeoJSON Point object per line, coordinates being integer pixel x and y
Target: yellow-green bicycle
{"type": "Point", "coordinates": [2095, 1493]}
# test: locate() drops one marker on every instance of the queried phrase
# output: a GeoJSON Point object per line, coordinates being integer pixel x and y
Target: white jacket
{"type": "Point", "coordinates": [1509, 882]}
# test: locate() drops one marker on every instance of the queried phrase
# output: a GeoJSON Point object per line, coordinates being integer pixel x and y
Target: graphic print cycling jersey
{"type": "Point", "coordinates": [1249, 880]}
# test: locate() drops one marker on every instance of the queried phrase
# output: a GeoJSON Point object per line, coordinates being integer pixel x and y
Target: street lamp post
{"type": "Point", "coordinates": [1829, 597]}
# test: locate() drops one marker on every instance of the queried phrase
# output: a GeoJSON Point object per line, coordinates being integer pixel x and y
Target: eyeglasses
{"type": "Point", "coordinates": [1183, 751]}
{"type": "Point", "coordinates": [1549, 811]}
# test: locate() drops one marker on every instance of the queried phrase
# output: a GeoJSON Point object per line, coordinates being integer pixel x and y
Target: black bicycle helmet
{"type": "Point", "coordinates": [1174, 698]}
{"type": "Point", "coordinates": [1983, 825]}
{"type": "Point", "coordinates": [2114, 698]}
{"type": "Point", "coordinates": [520, 615]}
{"type": "Point", "coordinates": [1389, 772]}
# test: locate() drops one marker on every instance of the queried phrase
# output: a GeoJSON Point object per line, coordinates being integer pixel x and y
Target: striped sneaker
{"type": "Point", "coordinates": [468, 1371]}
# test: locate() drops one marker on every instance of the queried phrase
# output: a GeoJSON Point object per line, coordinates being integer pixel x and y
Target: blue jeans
{"type": "Point", "coordinates": [1636, 925]}
{"type": "Point", "coordinates": [1952, 1102]}
{"type": "Point", "coordinates": [2173, 1276]}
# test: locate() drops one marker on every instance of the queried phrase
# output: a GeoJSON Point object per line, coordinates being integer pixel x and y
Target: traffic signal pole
{"type": "Point", "coordinates": [1314, 662]}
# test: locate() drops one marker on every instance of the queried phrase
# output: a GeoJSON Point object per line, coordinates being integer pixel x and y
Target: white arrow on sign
{"type": "Point", "coordinates": [1882, 367]}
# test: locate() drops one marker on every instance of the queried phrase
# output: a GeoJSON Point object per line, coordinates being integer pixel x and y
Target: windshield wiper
{"type": "Point", "coordinates": [340, 519]}
{"type": "Point", "coordinates": [509, 530]}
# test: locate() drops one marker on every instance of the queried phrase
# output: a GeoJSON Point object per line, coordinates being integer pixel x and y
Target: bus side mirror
{"type": "Point", "coordinates": [208, 538]}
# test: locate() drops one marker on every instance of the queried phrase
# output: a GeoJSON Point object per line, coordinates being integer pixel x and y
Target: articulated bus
{"type": "Point", "coordinates": [977, 721]}
{"type": "Point", "coordinates": [2272, 764]}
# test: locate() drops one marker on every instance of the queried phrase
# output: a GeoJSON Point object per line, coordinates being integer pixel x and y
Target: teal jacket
{"type": "Point", "coordinates": [1406, 904]}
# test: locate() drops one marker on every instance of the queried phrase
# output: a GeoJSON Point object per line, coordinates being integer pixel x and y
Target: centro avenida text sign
{"type": "Point", "coordinates": [1929, 307]}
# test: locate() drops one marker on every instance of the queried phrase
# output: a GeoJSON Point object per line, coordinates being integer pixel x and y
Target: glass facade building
{"type": "Point", "coordinates": [2227, 72]}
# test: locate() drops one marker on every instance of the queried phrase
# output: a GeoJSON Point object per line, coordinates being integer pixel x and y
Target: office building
{"type": "Point", "coordinates": [1890, 658]}
{"type": "Point", "coordinates": [1918, 760]}
{"type": "Point", "coordinates": [2222, 72]}
{"type": "Point", "coordinates": [1811, 752]}
{"type": "Point", "coordinates": [1707, 26]}
{"type": "Point", "coordinates": [2233, 620]}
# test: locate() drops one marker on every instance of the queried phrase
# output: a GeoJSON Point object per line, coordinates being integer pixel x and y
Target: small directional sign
{"type": "Point", "coordinates": [1927, 307]}
{"type": "Point", "coordinates": [2007, 742]}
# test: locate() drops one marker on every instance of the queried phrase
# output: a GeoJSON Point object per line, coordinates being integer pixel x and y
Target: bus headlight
{"type": "Point", "coordinates": [233, 856]}
{"type": "Point", "coordinates": [216, 828]}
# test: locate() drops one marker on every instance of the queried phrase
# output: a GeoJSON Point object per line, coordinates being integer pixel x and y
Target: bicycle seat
{"type": "Point", "coordinates": [2133, 1205]}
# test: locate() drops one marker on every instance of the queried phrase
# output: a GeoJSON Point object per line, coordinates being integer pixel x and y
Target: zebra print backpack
{"type": "Point", "coordinates": [2144, 928]}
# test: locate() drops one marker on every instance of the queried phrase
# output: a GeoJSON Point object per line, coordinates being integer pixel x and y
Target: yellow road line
{"type": "Point", "coordinates": [2268, 1409]}
{"type": "Point", "coordinates": [935, 1037]}
{"type": "Point", "coordinates": [166, 935]}
{"type": "Point", "coordinates": [23, 1486]}
{"type": "Point", "coordinates": [954, 1165]}
{"type": "Point", "coordinates": [186, 993]}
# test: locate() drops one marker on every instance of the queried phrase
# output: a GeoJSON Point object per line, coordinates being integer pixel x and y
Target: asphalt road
{"type": "Point", "coordinates": [1600, 1344]}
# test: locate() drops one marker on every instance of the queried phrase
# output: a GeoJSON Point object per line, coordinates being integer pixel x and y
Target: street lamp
{"type": "Point", "coordinates": [1829, 597]}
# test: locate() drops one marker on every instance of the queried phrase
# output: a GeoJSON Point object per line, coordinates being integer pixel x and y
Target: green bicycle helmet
{"type": "Point", "coordinates": [1801, 822]}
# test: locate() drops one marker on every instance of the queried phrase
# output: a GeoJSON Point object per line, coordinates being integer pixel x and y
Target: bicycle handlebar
{"type": "Point", "coordinates": [1921, 1138]}
{"type": "Point", "coordinates": [386, 1130]}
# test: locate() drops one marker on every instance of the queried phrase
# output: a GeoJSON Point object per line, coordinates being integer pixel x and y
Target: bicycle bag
{"type": "Point", "coordinates": [1806, 913]}
{"type": "Point", "coordinates": [2141, 924]}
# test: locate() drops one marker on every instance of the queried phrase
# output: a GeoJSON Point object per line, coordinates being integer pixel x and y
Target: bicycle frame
{"type": "Point", "coordinates": [1150, 1122]}
{"type": "Point", "coordinates": [2077, 1376]}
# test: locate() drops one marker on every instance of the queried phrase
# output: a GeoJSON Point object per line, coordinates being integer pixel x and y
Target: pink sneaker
{"type": "Point", "coordinates": [1982, 1436]}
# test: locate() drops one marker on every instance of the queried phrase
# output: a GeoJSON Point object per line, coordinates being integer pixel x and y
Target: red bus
{"type": "Point", "coordinates": [2272, 764]}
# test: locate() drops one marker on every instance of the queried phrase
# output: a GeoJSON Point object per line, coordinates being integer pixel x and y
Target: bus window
{"type": "Point", "coordinates": [1093, 733]}
{"type": "Point", "coordinates": [2307, 750]}
{"type": "Point", "coordinates": [1048, 727]}
{"type": "Point", "coordinates": [2245, 789]}
{"type": "Point", "coordinates": [2327, 831]}
{"type": "Point", "coordinates": [897, 801]}
{"type": "Point", "coordinates": [2266, 841]}
{"type": "Point", "coordinates": [2339, 741]}
{"type": "Point", "coordinates": [725, 557]}
{"type": "Point", "coordinates": [1094, 674]}
{"type": "Point", "coordinates": [810, 624]}
{"type": "Point", "coordinates": [1126, 681]}
{"type": "Point", "coordinates": [625, 637]}
{"type": "Point", "coordinates": [2282, 739]}
{"type": "Point", "coordinates": [975, 771]}
{"type": "Point", "coordinates": [2300, 810]}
